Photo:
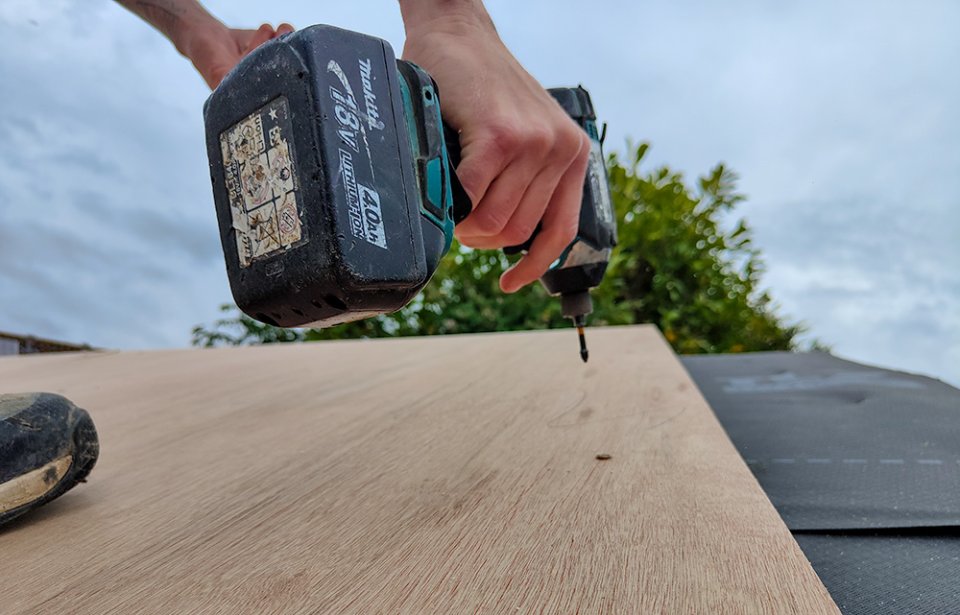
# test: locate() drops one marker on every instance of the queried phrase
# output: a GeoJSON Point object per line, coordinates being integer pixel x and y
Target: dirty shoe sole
{"type": "Point", "coordinates": [47, 445]}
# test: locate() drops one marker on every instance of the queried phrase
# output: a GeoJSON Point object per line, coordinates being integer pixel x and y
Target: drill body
{"type": "Point", "coordinates": [334, 184]}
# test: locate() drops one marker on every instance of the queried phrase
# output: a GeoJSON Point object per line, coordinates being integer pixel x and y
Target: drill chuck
{"type": "Point", "coordinates": [576, 304]}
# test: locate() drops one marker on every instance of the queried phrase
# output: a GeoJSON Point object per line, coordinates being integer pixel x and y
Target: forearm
{"type": "Point", "coordinates": [173, 18]}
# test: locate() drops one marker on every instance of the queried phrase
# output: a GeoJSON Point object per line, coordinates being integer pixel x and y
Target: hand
{"type": "Point", "coordinates": [523, 159]}
{"type": "Point", "coordinates": [215, 49]}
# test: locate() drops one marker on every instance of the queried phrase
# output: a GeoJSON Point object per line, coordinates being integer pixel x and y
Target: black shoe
{"type": "Point", "coordinates": [47, 445]}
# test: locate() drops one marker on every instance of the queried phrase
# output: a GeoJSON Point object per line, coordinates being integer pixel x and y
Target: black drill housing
{"type": "Point", "coordinates": [583, 265]}
{"type": "Point", "coordinates": [314, 231]}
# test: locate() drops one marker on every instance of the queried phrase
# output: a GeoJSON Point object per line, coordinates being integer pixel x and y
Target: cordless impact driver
{"type": "Point", "coordinates": [335, 186]}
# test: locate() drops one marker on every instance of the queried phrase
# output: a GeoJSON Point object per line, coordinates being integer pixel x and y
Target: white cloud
{"type": "Point", "coordinates": [839, 117]}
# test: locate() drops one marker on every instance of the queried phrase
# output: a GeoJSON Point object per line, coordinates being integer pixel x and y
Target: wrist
{"type": "Point", "coordinates": [175, 19]}
{"type": "Point", "coordinates": [190, 31]}
{"type": "Point", "coordinates": [455, 17]}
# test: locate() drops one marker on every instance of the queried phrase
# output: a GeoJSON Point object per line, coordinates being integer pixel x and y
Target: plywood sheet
{"type": "Point", "coordinates": [445, 475]}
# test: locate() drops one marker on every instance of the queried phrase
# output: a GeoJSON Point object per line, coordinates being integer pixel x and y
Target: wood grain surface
{"type": "Point", "coordinates": [446, 475]}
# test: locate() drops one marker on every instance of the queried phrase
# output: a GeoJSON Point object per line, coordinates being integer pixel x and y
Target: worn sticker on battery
{"type": "Point", "coordinates": [260, 173]}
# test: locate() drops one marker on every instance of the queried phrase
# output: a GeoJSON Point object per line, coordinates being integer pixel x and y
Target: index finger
{"type": "Point", "coordinates": [560, 224]}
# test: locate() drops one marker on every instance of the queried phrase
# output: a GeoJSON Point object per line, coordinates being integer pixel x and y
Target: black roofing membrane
{"type": "Point", "coordinates": [862, 463]}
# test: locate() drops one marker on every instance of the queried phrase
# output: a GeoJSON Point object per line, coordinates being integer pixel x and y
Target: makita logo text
{"type": "Point", "coordinates": [369, 98]}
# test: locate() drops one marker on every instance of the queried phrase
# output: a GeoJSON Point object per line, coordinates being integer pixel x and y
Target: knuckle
{"type": "Point", "coordinates": [583, 155]}
{"type": "Point", "coordinates": [471, 178]}
{"type": "Point", "coordinates": [518, 233]}
{"type": "Point", "coordinates": [539, 140]}
{"type": "Point", "coordinates": [570, 141]}
{"type": "Point", "coordinates": [505, 136]}
{"type": "Point", "coordinates": [488, 223]}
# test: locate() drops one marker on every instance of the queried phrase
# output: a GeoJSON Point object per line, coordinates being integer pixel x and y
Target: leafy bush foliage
{"type": "Point", "coordinates": [679, 264]}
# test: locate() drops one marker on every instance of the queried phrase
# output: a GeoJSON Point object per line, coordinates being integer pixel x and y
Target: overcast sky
{"type": "Point", "coordinates": [842, 120]}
